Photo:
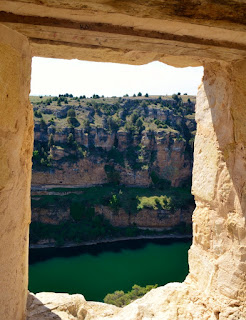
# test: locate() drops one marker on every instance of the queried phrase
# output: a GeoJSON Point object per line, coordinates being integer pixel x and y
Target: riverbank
{"type": "Point", "coordinates": [99, 241]}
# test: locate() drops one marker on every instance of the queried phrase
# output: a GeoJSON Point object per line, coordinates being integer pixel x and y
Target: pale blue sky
{"type": "Point", "coordinates": [57, 76]}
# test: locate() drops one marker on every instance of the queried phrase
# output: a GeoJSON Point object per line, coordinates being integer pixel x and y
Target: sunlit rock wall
{"type": "Point", "coordinates": [16, 144]}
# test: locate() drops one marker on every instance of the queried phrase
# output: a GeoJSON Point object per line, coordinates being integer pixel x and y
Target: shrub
{"type": "Point", "coordinates": [113, 124]}
{"type": "Point", "coordinates": [112, 174]}
{"type": "Point", "coordinates": [36, 155]}
{"type": "Point", "coordinates": [116, 155]}
{"type": "Point", "coordinates": [37, 114]}
{"type": "Point", "coordinates": [43, 124]}
{"type": "Point", "coordinates": [139, 125]}
{"type": "Point", "coordinates": [155, 202]}
{"type": "Point", "coordinates": [159, 182]}
{"type": "Point", "coordinates": [119, 298]}
{"type": "Point", "coordinates": [71, 113]}
{"type": "Point", "coordinates": [86, 124]}
{"type": "Point", "coordinates": [114, 202]}
{"type": "Point", "coordinates": [51, 141]}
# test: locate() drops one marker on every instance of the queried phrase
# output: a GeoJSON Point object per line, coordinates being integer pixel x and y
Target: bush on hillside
{"type": "Point", "coordinates": [119, 298]}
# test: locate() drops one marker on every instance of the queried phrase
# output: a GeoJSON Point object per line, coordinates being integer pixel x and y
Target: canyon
{"type": "Point", "coordinates": [118, 144]}
{"type": "Point", "coordinates": [187, 33]}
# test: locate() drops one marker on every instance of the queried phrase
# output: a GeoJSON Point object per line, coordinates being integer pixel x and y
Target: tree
{"type": "Point", "coordinates": [95, 96]}
{"type": "Point", "coordinates": [72, 120]}
{"type": "Point", "coordinates": [51, 141]}
{"type": "Point", "coordinates": [43, 124]}
{"type": "Point", "coordinates": [175, 97]}
{"type": "Point", "coordinates": [37, 114]}
{"type": "Point", "coordinates": [134, 116]}
{"type": "Point", "coordinates": [70, 139]}
{"type": "Point", "coordinates": [139, 125]}
{"type": "Point", "coordinates": [139, 94]}
{"type": "Point", "coordinates": [146, 95]}
{"type": "Point", "coordinates": [113, 124]}
{"type": "Point", "coordinates": [36, 155]}
{"type": "Point", "coordinates": [71, 113]}
{"type": "Point", "coordinates": [86, 124]}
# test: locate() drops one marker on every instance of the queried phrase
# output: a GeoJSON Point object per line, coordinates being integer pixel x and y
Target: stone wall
{"type": "Point", "coordinates": [182, 33]}
{"type": "Point", "coordinates": [16, 144]}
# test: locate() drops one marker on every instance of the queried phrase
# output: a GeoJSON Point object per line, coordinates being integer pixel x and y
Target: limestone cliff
{"type": "Point", "coordinates": [131, 137]}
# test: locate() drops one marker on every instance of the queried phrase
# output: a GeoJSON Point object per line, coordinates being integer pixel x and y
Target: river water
{"type": "Point", "coordinates": [99, 269]}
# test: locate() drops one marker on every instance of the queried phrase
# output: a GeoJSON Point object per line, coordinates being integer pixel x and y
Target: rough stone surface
{"type": "Point", "coordinates": [176, 32]}
{"type": "Point", "coordinates": [181, 33]}
{"type": "Point", "coordinates": [16, 143]}
{"type": "Point", "coordinates": [146, 218]}
{"type": "Point", "coordinates": [171, 163]}
{"type": "Point", "coordinates": [57, 306]}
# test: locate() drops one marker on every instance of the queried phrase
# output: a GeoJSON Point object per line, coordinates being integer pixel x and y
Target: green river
{"type": "Point", "coordinates": [97, 270]}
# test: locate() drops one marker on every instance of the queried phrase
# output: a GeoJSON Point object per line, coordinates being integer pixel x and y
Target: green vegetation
{"type": "Point", "coordinates": [128, 129]}
{"type": "Point", "coordinates": [121, 299]}
{"type": "Point", "coordinates": [155, 202]}
{"type": "Point", "coordinates": [86, 225]}
{"type": "Point", "coordinates": [133, 115]}
{"type": "Point", "coordinates": [41, 156]}
{"type": "Point", "coordinates": [119, 111]}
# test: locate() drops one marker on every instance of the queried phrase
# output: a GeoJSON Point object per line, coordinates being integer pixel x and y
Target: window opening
{"type": "Point", "coordinates": [106, 168]}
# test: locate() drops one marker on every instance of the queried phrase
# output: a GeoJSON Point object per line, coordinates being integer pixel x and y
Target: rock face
{"type": "Point", "coordinates": [133, 154]}
{"type": "Point", "coordinates": [16, 140]}
{"type": "Point", "coordinates": [178, 33]}
{"type": "Point", "coordinates": [54, 215]}
{"type": "Point", "coordinates": [146, 218]}
{"type": "Point", "coordinates": [181, 33]}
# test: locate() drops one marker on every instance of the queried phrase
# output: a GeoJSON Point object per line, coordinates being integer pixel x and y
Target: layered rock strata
{"type": "Point", "coordinates": [215, 286]}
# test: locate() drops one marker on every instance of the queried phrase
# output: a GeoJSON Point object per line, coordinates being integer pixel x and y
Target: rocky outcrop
{"type": "Point", "coordinates": [53, 306]}
{"type": "Point", "coordinates": [126, 141]}
{"type": "Point", "coordinates": [84, 173]}
{"type": "Point", "coordinates": [165, 154]}
{"type": "Point", "coordinates": [146, 218]}
{"type": "Point", "coordinates": [52, 215]}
